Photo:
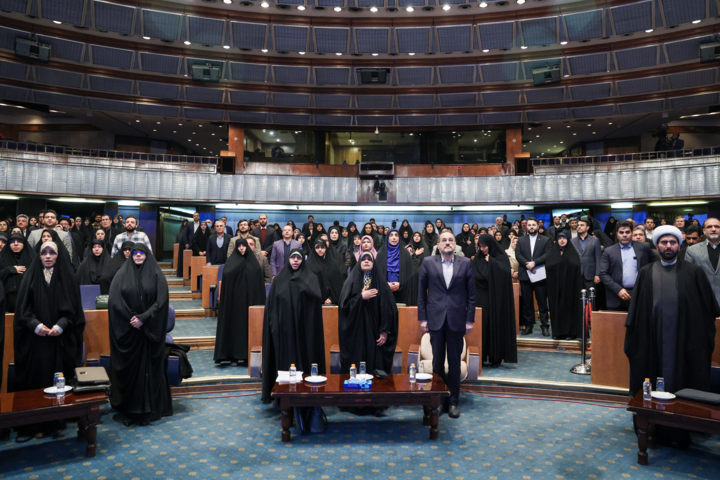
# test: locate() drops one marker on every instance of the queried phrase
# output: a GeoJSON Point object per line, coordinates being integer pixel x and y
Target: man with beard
{"type": "Point", "coordinates": [106, 225]}
{"type": "Point", "coordinates": [243, 231]}
{"type": "Point", "coordinates": [532, 252]}
{"type": "Point", "coordinates": [266, 234]}
{"type": "Point", "coordinates": [671, 324]}
{"type": "Point", "coordinates": [50, 222]}
{"type": "Point", "coordinates": [131, 234]}
{"type": "Point", "coordinates": [77, 241]}
{"type": "Point", "coordinates": [707, 253]}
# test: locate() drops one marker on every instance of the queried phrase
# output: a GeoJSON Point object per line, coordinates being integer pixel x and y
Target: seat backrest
{"type": "Point", "coordinates": [88, 294]}
{"type": "Point", "coordinates": [221, 269]}
{"type": "Point", "coordinates": [267, 289]}
{"type": "Point", "coordinates": [171, 319]}
{"type": "Point", "coordinates": [426, 349]}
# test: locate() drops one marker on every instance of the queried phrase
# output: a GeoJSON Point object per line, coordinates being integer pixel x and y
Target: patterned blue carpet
{"type": "Point", "coordinates": [237, 437]}
{"type": "Point", "coordinates": [548, 366]}
{"type": "Point", "coordinates": [194, 327]}
{"type": "Point", "coordinates": [537, 333]}
{"type": "Point", "coordinates": [204, 365]}
{"type": "Point", "coordinates": [186, 304]}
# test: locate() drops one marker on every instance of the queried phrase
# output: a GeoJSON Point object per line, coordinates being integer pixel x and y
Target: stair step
{"type": "Point", "coordinates": [190, 313]}
{"type": "Point", "coordinates": [169, 272]}
{"type": "Point", "coordinates": [181, 296]}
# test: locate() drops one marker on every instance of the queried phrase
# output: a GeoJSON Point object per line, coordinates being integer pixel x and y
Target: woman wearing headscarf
{"type": "Point", "coordinates": [305, 245]}
{"type": "Point", "coordinates": [352, 230]}
{"type": "Point", "coordinates": [405, 228]}
{"type": "Point", "coordinates": [341, 248]}
{"type": "Point", "coordinates": [420, 249]}
{"type": "Point", "coordinates": [564, 283]}
{"type": "Point", "coordinates": [430, 235]}
{"type": "Point", "coordinates": [319, 230]}
{"type": "Point", "coordinates": [52, 236]}
{"type": "Point", "coordinates": [367, 244]}
{"type": "Point", "coordinates": [325, 267]}
{"type": "Point", "coordinates": [405, 238]}
{"type": "Point", "coordinates": [49, 321]}
{"type": "Point", "coordinates": [138, 311]}
{"type": "Point", "coordinates": [514, 264]}
{"type": "Point", "coordinates": [200, 240]}
{"type": "Point", "coordinates": [243, 286]}
{"type": "Point", "coordinates": [15, 258]}
{"type": "Point", "coordinates": [82, 232]}
{"type": "Point", "coordinates": [367, 319]}
{"type": "Point", "coordinates": [354, 248]}
{"type": "Point", "coordinates": [368, 231]}
{"type": "Point", "coordinates": [100, 235]}
{"type": "Point", "coordinates": [396, 267]}
{"type": "Point", "coordinates": [91, 268]}
{"type": "Point", "coordinates": [610, 227]}
{"type": "Point", "coordinates": [181, 231]}
{"type": "Point", "coordinates": [4, 238]}
{"type": "Point", "coordinates": [494, 294]}
{"type": "Point", "coordinates": [113, 265]}
{"type": "Point", "coordinates": [293, 323]}
{"type": "Point", "coordinates": [465, 240]}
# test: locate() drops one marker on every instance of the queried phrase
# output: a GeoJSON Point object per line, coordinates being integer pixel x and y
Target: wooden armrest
{"type": "Point", "coordinates": [335, 348]}
{"type": "Point", "coordinates": [414, 348]}
{"type": "Point", "coordinates": [256, 349]}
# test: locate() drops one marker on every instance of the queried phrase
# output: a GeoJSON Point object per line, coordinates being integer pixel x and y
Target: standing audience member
{"type": "Point", "coordinates": [531, 253]}
{"type": "Point", "coordinates": [50, 221]}
{"type": "Point", "coordinates": [588, 247]}
{"type": "Point", "coordinates": [564, 285]}
{"type": "Point", "coordinates": [707, 253]}
{"type": "Point", "coordinates": [267, 235]}
{"type": "Point", "coordinates": [131, 234]}
{"type": "Point", "coordinates": [200, 240]}
{"type": "Point", "coordinates": [113, 266]}
{"type": "Point", "coordinates": [15, 259]}
{"type": "Point", "coordinates": [396, 266]}
{"type": "Point", "coordinates": [262, 260]}
{"type": "Point", "coordinates": [281, 250]}
{"type": "Point", "coordinates": [217, 245]}
{"type": "Point", "coordinates": [92, 267]}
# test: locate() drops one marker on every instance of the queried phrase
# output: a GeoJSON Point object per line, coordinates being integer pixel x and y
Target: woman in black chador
{"type": "Point", "coordinates": [367, 319]}
{"type": "Point", "coordinates": [243, 286]}
{"type": "Point", "coordinates": [90, 270]}
{"type": "Point", "coordinates": [494, 294]}
{"type": "Point", "coordinates": [15, 258]}
{"type": "Point", "coordinates": [395, 264]}
{"type": "Point", "coordinates": [564, 284]}
{"type": "Point", "coordinates": [49, 321]}
{"type": "Point", "coordinates": [138, 311]}
{"type": "Point", "coordinates": [293, 323]}
{"type": "Point", "coordinates": [113, 266]}
{"type": "Point", "coordinates": [325, 266]}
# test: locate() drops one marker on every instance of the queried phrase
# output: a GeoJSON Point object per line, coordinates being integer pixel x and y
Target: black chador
{"type": "Point", "coordinates": [361, 322]}
{"type": "Point", "coordinates": [327, 270]}
{"type": "Point", "coordinates": [243, 286]}
{"type": "Point", "coordinates": [293, 324]}
{"type": "Point", "coordinates": [138, 365]}
{"type": "Point", "coordinates": [113, 266]}
{"type": "Point", "coordinates": [90, 270]}
{"type": "Point", "coordinates": [10, 276]}
{"type": "Point", "coordinates": [564, 284]}
{"type": "Point", "coordinates": [395, 264]}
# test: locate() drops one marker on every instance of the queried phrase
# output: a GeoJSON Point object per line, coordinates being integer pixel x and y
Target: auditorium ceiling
{"type": "Point", "coordinates": [626, 66]}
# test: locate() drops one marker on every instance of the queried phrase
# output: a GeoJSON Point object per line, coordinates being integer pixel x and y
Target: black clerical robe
{"type": "Point", "coordinates": [671, 299]}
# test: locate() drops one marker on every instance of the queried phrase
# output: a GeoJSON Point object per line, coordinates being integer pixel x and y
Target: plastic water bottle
{"type": "Point", "coordinates": [293, 373]}
{"type": "Point", "coordinates": [353, 371]}
{"type": "Point", "coordinates": [363, 368]}
{"type": "Point", "coordinates": [412, 373]}
{"type": "Point", "coordinates": [60, 385]}
{"type": "Point", "coordinates": [314, 370]}
{"type": "Point", "coordinates": [660, 384]}
{"type": "Point", "coordinates": [647, 390]}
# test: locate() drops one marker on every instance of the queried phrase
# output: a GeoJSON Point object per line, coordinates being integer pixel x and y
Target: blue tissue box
{"type": "Point", "coordinates": [358, 384]}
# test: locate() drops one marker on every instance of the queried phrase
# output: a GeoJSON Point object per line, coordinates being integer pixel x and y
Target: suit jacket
{"type": "Point", "coordinates": [523, 255]}
{"type": "Point", "coordinates": [36, 235]}
{"type": "Point", "coordinates": [187, 237]}
{"type": "Point", "coordinates": [277, 257]}
{"type": "Point", "coordinates": [270, 238]}
{"type": "Point", "coordinates": [438, 303]}
{"type": "Point", "coordinates": [698, 254]}
{"type": "Point", "coordinates": [590, 258]}
{"type": "Point", "coordinates": [217, 255]}
{"type": "Point", "coordinates": [611, 268]}
{"type": "Point", "coordinates": [553, 232]}
{"type": "Point", "coordinates": [231, 247]}
{"type": "Point", "coordinates": [265, 266]}
{"type": "Point", "coordinates": [228, 231]}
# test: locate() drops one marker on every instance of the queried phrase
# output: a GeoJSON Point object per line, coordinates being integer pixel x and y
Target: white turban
{"type": "Point", "coordinates": [667, 230]}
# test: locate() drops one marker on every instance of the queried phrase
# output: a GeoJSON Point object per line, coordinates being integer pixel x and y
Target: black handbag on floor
{"type": "Point", "coordinates": [310, 420]}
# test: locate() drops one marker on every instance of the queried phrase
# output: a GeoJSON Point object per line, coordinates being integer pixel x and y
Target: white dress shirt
{"type": "Point", "coordinates": [447, 266]}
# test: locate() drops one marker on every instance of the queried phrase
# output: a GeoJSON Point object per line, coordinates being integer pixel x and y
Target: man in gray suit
{"type": "Point", "coordinates": [51, 221]}
{"type": "Point", "coordinates": [588, 247]}
{"type": "Point", "coordinates": [707, 253]}
{"type": "Point", "coordinates": [281, 250]}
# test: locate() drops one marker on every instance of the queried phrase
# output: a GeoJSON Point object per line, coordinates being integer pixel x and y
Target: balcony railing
{"type": "Point", "coordinates": [625, 157]}
{"type": "Point", "coordinates": [106, 158]}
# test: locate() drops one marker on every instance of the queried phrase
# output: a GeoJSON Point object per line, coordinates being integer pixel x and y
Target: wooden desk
{"type": "Point", "coordinates": [209, 274]}
{"type": "Point", "coordinates": [34, 406]}
{"type": "Point", "coordinates": [196, 269]}
{"type": "Point", "coordinates": [396, 390]}
{"type": "Point", "coordinates": [176, 254]}
{"type": "Point", "coordinates": [187, 260]}
{"type": "Point", "coordinates": [610, 365]}
{"type": "Point", "coordinates": [685, 414]}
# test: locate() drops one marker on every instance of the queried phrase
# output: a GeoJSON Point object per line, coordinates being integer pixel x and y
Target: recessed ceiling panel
{"type": "Point", "coordinates": [637, 57]}
{"type": "Point", "coordinates": [332, 101]}
{"type": "Point", "coordinates": [683, 11]}
{"type": "Point", "coordinates": [584, 25]}
{"type": "Point", "coordinates": [205, 31]}
{"type": "Point", "coordinates": [289, 38]}
{"type": "Point", "coordinates": [635, 17]}
{"type": "Point", "coordinates": [590, 92]}
{"type": "Point", "coordinates": [249, 35]}
{"type": "Point", "coordinates": [17, 71]}
{"type": "Point", "coordinates": [639, 86]}
{"type": "Point", "coordinates": [641, 107]}
{"type": "Point", "coordinates": [415, 75]}
{"type": "Point", "coordinates": [291, 99]}
{"type": "Point", "coordinates": [502, 117]}
{"type": "Point", "coordinates": [157, 63]}
{"type": "Point", "coordinates": [204, 113]}
{"type": "Point", "coordinates": [340, 120]}
{"type": "Point", "coordinates": [332, 75]}
{"type": "Point", "coordinates": [111, 17]}
{"type": "Point", "coordinates": [158, 90]}
{"type": "Point", "coordinates": [413, 39]}
{"type": "Point", "coordinates": [202, 94]}
{"type": "Point", "coordinates": [13, 93]}
{"type": "Point", "coordinates": [528, 65]}
{"type": "Point", "coordinates": [546, 115]}
{"type": "Point", "coordinates": [158, 110]}
{"type": "Point", "coordinates": [249, 117]}
{"type": "Point", "coordinates": [110, 85]}
{"type": "Point", "coordinates": [694, 101]}
{"type": "Point", "coordinates": [416, 120]}
{"type": "Point", "coordinates": [61, 78]}
{"type": "Point", "coordinates": [374, 101]}
{"type": "Point", "coordinates": [457, 99]}
{"type": "Point", "coordinates": [591, 112]}
{"type": "Point", "coordinates": [416, 101]}
{"type": "Point", "coordinates": [692, 79]}
{"type": "Point", "coordinates": [58, 99]}
{"type": "Point", "coordinates": [540, 31]}
{"type": "Point", "coordinates": [456, 38]}
{"type": "Point", "coordinates": [63, 49]}
{"type": "Point", "coordinates": [161, 25]}
{"type": "Point", "coordinates": [112, 57]}
{"type": "Point", "coordinates": [370, 120]}
{"type": "Point", "coordinates": [290, 119]}
{"type": "Point", "coordinates": [247, 97]}
{"type": "Point", "coordinates": [8, 36]}
{"type": "Point", "coordinates": [19, 6]}
{"type": "Point", "coordinates": [499, 72]}
{"type": "Point", "coordinates": [456, 74]}
{"type": "Point", "coordinates": [494, 99]}
{"type": "Point", "coordinates": [496, 36]}
{"type": "Point", "coordinates": [65, 11]}
{"type": "Point", "coordinates": [331, 40]}
{"type": "Point", "coordinates": [290, 74]}
{"type": "Point", "coordinates": [372, 40]}
{"type": "Point", "coordinates": [588, 64]}
{"type": "Point", "coordinates": [248, 72]}
{"type": "Point", "coordinates": [109, 105]}
{"type": "Point", "coordinates": [685, 50]}
{"type": "Point", "coordinates": [459, 119]}
{"type": "Point", "coordinates": [545, 94]}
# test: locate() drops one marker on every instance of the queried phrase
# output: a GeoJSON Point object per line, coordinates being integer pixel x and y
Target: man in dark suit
{"type": "Point", "coordinates": [281, 250]}
{"type": "Point", "coordinates": [228, 228]}
{"type": "Point", "coordinates": [588, 247]}
{"type": "Point", "coordinates": [267, 235]}
{"type": "Point", "coordinates": [531, 252]}
{"type": "Point", "coordinates": [306, 226]}
{"type": "Point", "coordinates": [217, 245]}
{"type": "Point", "coordinates": [619, 267]}
{"type": "Point", "coordinates": [446, 309]}
{"type": "Point", "coordinates": [187, 238]}
{"type": "Point", "coordinates": [555, 228]}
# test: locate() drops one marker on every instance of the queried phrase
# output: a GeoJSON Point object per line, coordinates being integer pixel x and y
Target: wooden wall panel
{"type": "Point", "coordinates": [610, 365]}
{"type": "Point", "coordinates": [209, 278]}
{"type": "Point", "coordinates": [187, 261]}
{"type": "Point", "coordinates": [196, 269]}
{"type": "Point", "coordinates": [97, 333]}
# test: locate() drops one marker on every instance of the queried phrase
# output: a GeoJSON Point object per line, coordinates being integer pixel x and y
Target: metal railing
{"type": "Point", "coordinates": [108, 158]}
{"type": "Point", "coordinates": [625, 157]}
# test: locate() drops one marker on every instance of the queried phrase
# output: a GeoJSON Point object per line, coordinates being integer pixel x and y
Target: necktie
{"type": "Point", "coordinates": [262, 234]}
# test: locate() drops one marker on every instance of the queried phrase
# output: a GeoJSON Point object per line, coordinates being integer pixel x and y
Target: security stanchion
{"type": "Point", "coordinates": [583, 368]}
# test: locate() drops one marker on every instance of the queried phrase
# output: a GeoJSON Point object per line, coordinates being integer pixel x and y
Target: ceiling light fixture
{"type": "Point", "coordinates": [337, 9]}
{"type": "Point", "coordinates": [301, 7]}
{"type": "Point", "coordinates": [373, 9]}
{"type": "Point", "coordinates": [187, 42]}
{"type": "Point", "coordinates": [523, 47]}
{"type": "Point", "coordinates": [483, 4]}
{"type": "Point", "coordinates": [563, 43]}
{"type": "Point", "coordinates": [301, 53]}
{"type": "Point", "coordinates": [520, 2]}
{"type": "Point", "coordinates": [696, 21]}
{"type": "Point", "coordinates": [226, 47]}
{"type": "Point", "coordinates": [60, 23]}
{"type": "Point", "coordinates": [486, 50]}
{"type": "Point", "coordinates": [146, 38]}
{"type": "Point", "coordinates": [411, 54]}
{"type": "Point", "coordinates": [338, 54]}
{"type": "Point", "coordinates": [649, 30]}
{"type": "Point", "coordinates": [264, 50]}
{"type": "Point", "coordinates": [446, 7]}
{"type": "Point", "coordinates": [410, 9]}
{"type": "Point", "coordinates": [374, 54]}
{"type": "Point", "coordinates": [264, 5]}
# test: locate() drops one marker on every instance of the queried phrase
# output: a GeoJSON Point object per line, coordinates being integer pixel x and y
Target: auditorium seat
{"type": "Point", "coordinates": [88, 294]}
{"type": "Point", "coordinates": [469, 359]}
{"type": "Point", "coordinates": [213, 288]}
{"type": "Point", "coordinates": [335, 360]}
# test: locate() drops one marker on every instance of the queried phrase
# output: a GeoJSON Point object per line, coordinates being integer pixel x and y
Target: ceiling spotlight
{"type": "Point", "coordinates": [483, 4]}
{"type": "Point", "coordinates": [446, 7]}
{"type": "Point", "coordinates": [609, 123]}
{"type": "Point", "coordinates": [174, 131]}
{"type": "Point", "coordinates": [146, 38]}
{"type": "Point", "coordinates": [138, 121]}
{"type": "Point", "coordinates": [523, 47]}
{"type": "Point", "coordinates": [301, 53]}
{"type": "Point", "coordinates": [179, 124]}
{"type": "Point", "coordinates": [226, 47]}
{"type": "Point", "coordinates": [377, 130]}
{"type": "Point", "coordinates": [60, 23]}
{"type": "Point", "coordinates": [411, 54]}
{"type": "Point", "coordinates": [187, 42]}
{"type": "Point", "coordinates": [566, 75]}
{"type": "Point", "coordinates": [563, 43]}
{"type": "Point", "coordinates": [373, 9]}
{"type": "Point", "coordinates": [264, 50]}
{"type": "Point", "coordinates": [485, 50]}
{"type": "Point", "coordinates": [158, 123]}
{"type": "Point", "coordinates": [593, 133]}
{"type": "Point", "coordinates": [374, 54]}
{"type": "Point", "coordinates": [568, 126]}
{"type": "Point", "coordinates": [337, 9]}
{"type": "Point", "coordinates": [264, 5]}
{"type": "Point", "coordinates": [520, 2]}
{"type": "Point", "coordinates": [301, 7]}
{"type": "Point", "coordinates": [154, 129]}
{"type": "Point", "coordinates": [410, 9]}
{"type": "Point", "coordinates": [338, 54]}
{"type": "Point", "coordinates": [589, 124]}
{"type": "Point", "coordinates": [549, 128]}
{"type": "Point", "coordinates": [227, 1]}
{"type": "Point", "coordinates": [649, 31]}
{"type": "Point", "coordinates": [696, 21]}
{"type": "Point", "coordinates": [562, 142]}
{"type": "Point", "coordinates": [574, 133]}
